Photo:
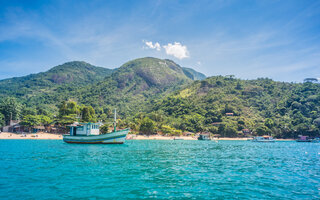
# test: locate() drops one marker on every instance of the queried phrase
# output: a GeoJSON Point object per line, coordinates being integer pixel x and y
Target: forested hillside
{"type": "Point", "coordinates": [46, 88]}
{"type": "Point", "coordinates": [226, 106]}
{"type": "Point", "coordinates": [158, 96]}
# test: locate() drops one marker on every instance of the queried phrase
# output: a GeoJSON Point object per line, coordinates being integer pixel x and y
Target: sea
{"type": "Point", "coordinates": [155, 169]}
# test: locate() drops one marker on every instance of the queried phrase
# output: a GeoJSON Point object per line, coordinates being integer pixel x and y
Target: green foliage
{"type": "Point", "coordinates": [263, 130]}
{"type": "Point", "coordinates": [31, 121]}
{"type": "Point", "coordinates": [10, 108]}
{"type": "Point", "coordinates": [228, 129]}
{"type": "Point", "coordinates": [88, 114]}
{"type": "Point", "coordinates": [158, 95]}
{"type": "Point", "coordinates": [104, 128]}
{"type": "Point", "coordinates": [68, 108]}
{"type": "Point", "coordinates": [67, 119]}
{"type": "Point", "coordinates": [194, 123]}
{"type": "Point", "coordinates": [45, 120]}
{"type": "Point", "coordinates": [147, 126]}
{"type": "Point", "coordinates": [269, 123]}
{"type": "Point", "coordinates": [35, 120]}
{"type": "Point", "coordinates": [167, 130]}
{"type": "Point", "coordinates": [2, 121]}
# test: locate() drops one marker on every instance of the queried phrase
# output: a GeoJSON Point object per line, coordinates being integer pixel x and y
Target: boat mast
{"type": "Point", "coordinates": [115, 120]}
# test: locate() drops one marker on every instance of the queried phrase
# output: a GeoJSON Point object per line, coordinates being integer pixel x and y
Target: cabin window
{"type": "Point", "coordinates": [80, 128]}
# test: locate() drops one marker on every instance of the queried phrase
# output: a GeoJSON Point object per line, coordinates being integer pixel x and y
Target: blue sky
{"type": "Point", "coordinates": [249, 39]}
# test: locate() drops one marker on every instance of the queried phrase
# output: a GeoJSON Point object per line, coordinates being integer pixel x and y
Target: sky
{"type": "Point", "coordinates": [278, 39]}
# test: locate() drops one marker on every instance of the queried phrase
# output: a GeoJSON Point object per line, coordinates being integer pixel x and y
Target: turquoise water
{"type": "Point", "coordinates": [51, 169]}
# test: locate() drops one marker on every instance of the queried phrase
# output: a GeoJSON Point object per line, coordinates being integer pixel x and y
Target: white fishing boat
{"type": "Point", "coordinates": [89, 133]}
{"type": "Point", "coordinates": [265, 138]}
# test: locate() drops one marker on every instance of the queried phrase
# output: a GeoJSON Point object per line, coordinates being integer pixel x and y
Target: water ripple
{"type": "Point", "coordinates": [159, 169]}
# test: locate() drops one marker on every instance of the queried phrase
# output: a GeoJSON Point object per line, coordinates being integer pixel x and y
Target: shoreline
{"type": "Point", "coordinates": [52, 136]}
{"type": "Point", "coordinates": [30, 136]}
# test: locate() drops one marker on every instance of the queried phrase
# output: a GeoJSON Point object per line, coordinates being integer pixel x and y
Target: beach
{"type": "Point", "coordinates": [30, 136]}
{"type": "Point", "coordinates": [51, 136]}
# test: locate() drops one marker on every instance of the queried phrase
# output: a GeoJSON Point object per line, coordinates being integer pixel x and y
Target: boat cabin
{"type": "Point", "coordinates": [84, 129]}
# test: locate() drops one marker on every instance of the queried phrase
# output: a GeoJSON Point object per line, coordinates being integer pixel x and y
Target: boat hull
{"type": "Point", "coordinates": [118, 137]}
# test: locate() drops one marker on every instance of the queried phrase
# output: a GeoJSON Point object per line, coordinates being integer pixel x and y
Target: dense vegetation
{"type": "Point", "coordinates": [263, 106]}
{"type": "Point", "coordinates": [155, 95]}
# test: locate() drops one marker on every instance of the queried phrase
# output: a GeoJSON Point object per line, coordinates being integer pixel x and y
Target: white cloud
{"type": "Point", "coordinates": [153, 46]}
{"type": "Point", "coordinates": [177, 50]}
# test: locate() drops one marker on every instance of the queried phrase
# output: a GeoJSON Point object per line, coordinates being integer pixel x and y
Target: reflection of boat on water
{"type": "Point", "coordinates": [265, 138]}
{"type": "Point", "coordinates": [88, 133]}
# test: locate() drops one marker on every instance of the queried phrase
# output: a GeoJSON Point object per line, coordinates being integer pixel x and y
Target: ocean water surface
{"type": "Point", "coordinates": [51, 169]}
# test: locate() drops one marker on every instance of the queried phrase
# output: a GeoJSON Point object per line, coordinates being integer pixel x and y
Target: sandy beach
{"type": "Point", "coordinates": [50, 136]}
{"type": "Point", "coordinates": [30, 136]}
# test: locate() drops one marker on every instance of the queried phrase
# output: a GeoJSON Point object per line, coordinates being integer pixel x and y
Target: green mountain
{"type": "Point", "coordinates": [156, 95]}
{"type": "Point", "coordinates": [129, 87]}
{"type": "Point", "coordinates": [194, 75]}
{"type": "Point", "coordinates": [66, 75]}
{"type": "Point", "coordinates": [263, 106]}
{"type": "Point", "coordinates": [134, 85]}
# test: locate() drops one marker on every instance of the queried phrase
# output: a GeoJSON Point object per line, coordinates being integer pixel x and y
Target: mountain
{"type": "Point", "coordinates": [170, 99]}
{"type": "Point", "coordinates": [134, 85]}
{"type": "Point", "coordinates": [66, 75]}
{"type": "Point", "coordinates": [194, 75]}
{"type": "Point", "coordinates": [130, 87]}
{"type": "Point", "coordinates": [262, 106]}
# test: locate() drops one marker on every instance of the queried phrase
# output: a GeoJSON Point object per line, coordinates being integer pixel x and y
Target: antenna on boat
{"type": "Point", "coordinates": [115, 120]}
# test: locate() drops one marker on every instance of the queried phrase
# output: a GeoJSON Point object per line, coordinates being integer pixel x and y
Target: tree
{"type": "Point", "coordinates": [170, 131]}
{"type": "Point", "coordinates": [45, 120]}
{"type": "Point", "coordinates": [2, 121]}
{"type": "Point", "coordinates": [31, 121]}
{"type": "Point", "coordinates": [269, 123]}
{"type": "Point", "coordinates": [263, 130]}
{"type": "Point", "coordinates": [239, 86]}
{"type": "Point", "coordinates": [10, 108]}
{"type": "Point", "coordinates": [228, 129]}
{"type": "Point", "coordinates": [147, 126]}
{"type": "Point", "coordinates": [88, 114]}
{"type": "Point", "coordinates": [68, 108]}
{"type": "Point", "coordinates": [28, 111]}
{"type": "Point", "coordinates": [194, 123]}
{"type": "Point", "coordinates": [104, 128]}
{"type": "Point", "coordinates": [67, 119]}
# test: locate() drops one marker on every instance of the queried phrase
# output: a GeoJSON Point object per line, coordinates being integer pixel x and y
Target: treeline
{"type": "Point", "coordinates": [228, 106]}
{"type": "Point", "coordinates": [221, 105]}
{"type": "Point", "coordinates": [68, 113]}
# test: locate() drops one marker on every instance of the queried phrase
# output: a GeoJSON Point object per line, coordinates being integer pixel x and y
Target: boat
{"type": "Point", "coordinates": [178, 138]}
{"type": "Point", "coordinates": [316, 140]}
{"type": "Point", "coordinates": [265, 138]}
{"type": "Point", "coordinates": [204, 136]}
{"type": "Point", "coordinates": [304, 139]}
{"type": "Point", "coordinates": [89, 133]}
